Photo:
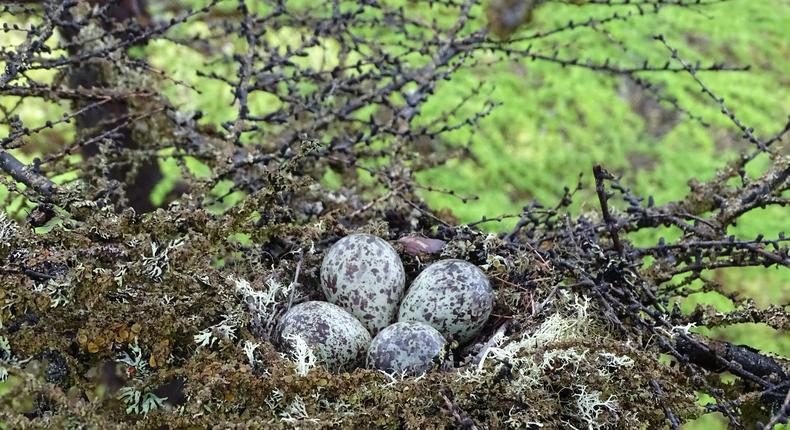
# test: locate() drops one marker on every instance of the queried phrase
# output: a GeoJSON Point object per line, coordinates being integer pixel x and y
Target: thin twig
{"type": "Point", "coordinates": [600, 174]}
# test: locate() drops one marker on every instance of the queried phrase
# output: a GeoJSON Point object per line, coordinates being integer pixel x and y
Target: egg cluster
{"type": "Point", "coordinates": [364, 281]}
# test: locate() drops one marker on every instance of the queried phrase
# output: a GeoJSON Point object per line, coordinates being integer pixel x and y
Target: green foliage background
{"type": "Point", "coordinates": [556, 122]}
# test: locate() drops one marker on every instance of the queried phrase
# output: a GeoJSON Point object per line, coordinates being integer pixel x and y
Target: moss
{"type": "Point", "coordinates": [117, 304]}
{"type": "Point", "coordinates": [557, 366]}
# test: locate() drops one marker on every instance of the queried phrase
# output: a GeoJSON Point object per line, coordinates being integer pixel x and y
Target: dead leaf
{"type": "Point", "coordinates": [416, 245]}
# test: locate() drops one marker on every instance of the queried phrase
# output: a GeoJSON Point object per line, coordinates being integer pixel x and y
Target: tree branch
{"type": "Point", "coordinates": [24, 174]}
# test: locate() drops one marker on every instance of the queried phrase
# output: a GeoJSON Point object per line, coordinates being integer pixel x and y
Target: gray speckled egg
{"type": "Point", "coordinates": [337, 339]}
{"type": "Point", "coordinates": [413, 347]}
{"type": "Point", "coordinates": [363, 274]}
{"type": "Point", "coordinates": [453, 296]}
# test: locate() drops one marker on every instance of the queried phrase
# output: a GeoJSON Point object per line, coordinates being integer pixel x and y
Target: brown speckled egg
{"type": "Point", "coordinates": [410, 347]}
{"type": "Point", "coordinates": [363, 274]}
{"type": "Point", "coordinates": [337, 339]}
{"type": "Point", "coordinates": [453, 296]}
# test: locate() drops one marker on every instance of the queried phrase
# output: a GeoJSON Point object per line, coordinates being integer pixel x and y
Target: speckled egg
{"type": "Point", "coordinates": [453, 296]}
{"type": "Point", "coordinates": [338, 340]}
{"type": "Point", "coordinates": [411, 347]}
{"type": "Point", "coordinates": [363, 274]}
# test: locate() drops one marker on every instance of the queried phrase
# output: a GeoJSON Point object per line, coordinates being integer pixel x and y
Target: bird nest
{"type": "Point", "coordinates": [162, 320]}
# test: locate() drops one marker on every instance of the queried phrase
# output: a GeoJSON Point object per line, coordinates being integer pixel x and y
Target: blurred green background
{"type": "Point", "coordinates": [556, 122]}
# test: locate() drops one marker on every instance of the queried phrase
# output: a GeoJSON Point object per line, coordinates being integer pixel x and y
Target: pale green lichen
{"type": "Point", "coordinates": [135, 359]}
{"type": "Point", "coordinates": [300, 353]}
{"type": "Point", "coordinates": [591, 408]}
{"type": "Point", "coordinates": [550, 347]}
{"type": "Point", "coordinates": [262, 304]}
{"type": "Point", "coordinates": [159, 261]}
{"type": "Point", "coordinates": [225, 329]}
{"type": "Point", "coordinates": [5, 357]}
{"type": "Point", "coordinates": [8, 229]}
{"type": "Point", "coordinates": [140, 401]}
{"type": "Point", "coordinates": [296, 412]}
